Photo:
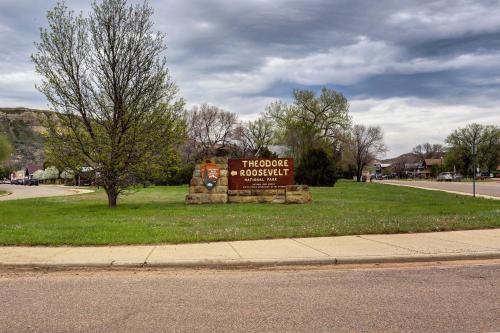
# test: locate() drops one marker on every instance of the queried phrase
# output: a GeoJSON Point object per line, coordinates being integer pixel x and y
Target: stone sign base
{"type": "Point", "coordinates": [255, 196]}
{"type": "Point", "coordinates": [297, 194]}
{"type": "Point", "coordinates": [199, 194]}
{"type": "Point", "coordinates": [290, 194]}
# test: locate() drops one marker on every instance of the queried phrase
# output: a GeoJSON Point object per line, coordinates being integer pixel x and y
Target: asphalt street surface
{"type": "Point", "coordinates": [446, 297]}
{"type": "Point", "coordinates": [490, 188]}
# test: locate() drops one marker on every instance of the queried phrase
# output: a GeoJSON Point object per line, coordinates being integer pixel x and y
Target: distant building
{"type": "Point", "coordinates": [427, 165]}
{"type": "Point", "coordinates": [413, 170]}
{"type": "Point", "coordinates": [26, 172]}
{"type": "Point", "coordinates": [380, 168]}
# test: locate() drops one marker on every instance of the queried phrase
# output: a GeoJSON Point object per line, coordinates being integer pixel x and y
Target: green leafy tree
{"type": "Point", "coordinates": [489, 149]}
{"type": "Point", "coordinates": [435, 170]}
{"type": "Point", "coordinates": [317, 168]}
{"type": "Point", "coordinates": [458, 159]}
{"type": "Point", "coordinates": [38, 174]}
{"type": "Point", "coordinates": [311, 121]}
{"type": "Point", "coordinates": [106, 77]}
{"type": "Point", "coordinates": [5, 172]}
{"type": "Point", "coordinates": [486, 139]}
{"type": "Point", "coordinates": [51, 173]}
{"type": "Point", "coordinates": [181, 174]}
{"type": "Point", "coordinates": [161, 162]}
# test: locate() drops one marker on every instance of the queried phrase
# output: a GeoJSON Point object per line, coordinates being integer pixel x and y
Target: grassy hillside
{"type": "Point", "coordinates": [24, 129]}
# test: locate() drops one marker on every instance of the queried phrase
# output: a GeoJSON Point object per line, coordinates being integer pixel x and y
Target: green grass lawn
{"type": "Point", "coordinates": [3, 193]}
{"type": "Point", "coordinates": [159, 215]}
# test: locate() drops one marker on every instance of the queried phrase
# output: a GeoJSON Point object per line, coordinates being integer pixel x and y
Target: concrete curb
{"type": "Point", "coordinates": [259, 263]}
{"type": "Point", "coordinates": [76, 190]}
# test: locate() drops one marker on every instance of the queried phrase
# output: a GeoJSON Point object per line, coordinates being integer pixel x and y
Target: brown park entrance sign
{"type": "Point", "coordinates": [260, 180]}
{"type": "Point", "coordinates": [260, 173]}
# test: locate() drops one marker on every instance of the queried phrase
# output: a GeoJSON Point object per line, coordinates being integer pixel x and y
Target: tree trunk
{"type": "Point", "coordinates": [359, 174]}
{"type": "Point", "coordinates": [112, 197]}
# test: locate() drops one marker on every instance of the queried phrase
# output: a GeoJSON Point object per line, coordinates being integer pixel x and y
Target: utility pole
{"type": "Point", "coordinates": [474, 153]}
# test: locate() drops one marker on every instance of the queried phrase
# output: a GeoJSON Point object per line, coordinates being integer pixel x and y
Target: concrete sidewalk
{"type": "Point", "coordinates": [454, 245]}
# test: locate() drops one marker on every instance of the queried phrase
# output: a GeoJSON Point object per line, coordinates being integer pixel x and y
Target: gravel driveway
{"type": "Point", "coordinates": [25, 192]}
{"type": "Point", "coordinates": [490, 188]}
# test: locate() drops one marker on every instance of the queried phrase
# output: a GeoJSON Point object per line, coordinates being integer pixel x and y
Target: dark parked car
{"type": "Point", "coordinates": [484, 175]}
{"type": "Point", "coordinates": [31, 182]}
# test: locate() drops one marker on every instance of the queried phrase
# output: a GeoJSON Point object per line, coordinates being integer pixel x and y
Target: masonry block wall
{"type": "Point", "coordinates": [199, 194]}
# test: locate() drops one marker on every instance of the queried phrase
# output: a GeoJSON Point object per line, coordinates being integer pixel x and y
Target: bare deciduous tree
{"type": "Point", "coordinates": [255, 135]}
{"type": "Point", "coordinates": [364, 145]}
{"type": "Point", "coordinates": [401, 163]}
{"type": "Point", "coordinates": [210, 128]}
{"type": "Point", "coordinates": [107, 79]}
{"type": "Point", "coordinates": [428, 150]}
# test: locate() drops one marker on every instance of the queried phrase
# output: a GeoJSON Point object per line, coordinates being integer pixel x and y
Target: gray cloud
{"type": "Point", "coordinates": [431, 61]}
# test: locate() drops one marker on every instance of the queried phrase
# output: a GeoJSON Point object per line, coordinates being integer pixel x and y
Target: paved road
{"type": "Point", "coordinates": [450, 297]}
{"type": "Point", "coordinates": [25, 192]}
{"type": "Point", "coordinates": [491, 188]}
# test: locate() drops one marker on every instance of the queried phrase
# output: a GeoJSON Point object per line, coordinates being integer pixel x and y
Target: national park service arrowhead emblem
{"type": "Point", "coordinates": [210, 173]}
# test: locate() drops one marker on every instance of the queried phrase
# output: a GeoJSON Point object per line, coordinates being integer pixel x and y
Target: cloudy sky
{"type": "Point", "coordinates": [416, 68]}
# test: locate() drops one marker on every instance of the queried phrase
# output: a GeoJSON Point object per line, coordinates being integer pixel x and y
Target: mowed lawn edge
{"type": "Point", "coordinates": [158, 215]}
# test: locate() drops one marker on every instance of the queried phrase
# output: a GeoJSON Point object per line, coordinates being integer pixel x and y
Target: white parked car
{"type": "Point", "coordinates": [445, 177]}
